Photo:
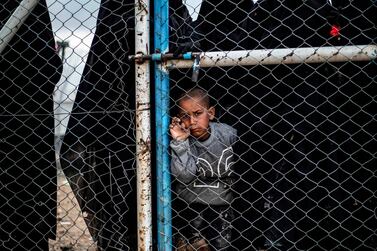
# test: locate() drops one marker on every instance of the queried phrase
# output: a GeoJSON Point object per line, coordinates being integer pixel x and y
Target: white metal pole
{"type": "Point", "coordinates": [281, 56]}
{"type": "Point", "coordinates": [143, 129]}
{"type": "Point", "coordinates": [15, 21]}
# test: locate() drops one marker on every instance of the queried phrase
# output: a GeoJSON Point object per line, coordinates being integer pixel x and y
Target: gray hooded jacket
{"type": "Point", "coordinates": [204, 168]}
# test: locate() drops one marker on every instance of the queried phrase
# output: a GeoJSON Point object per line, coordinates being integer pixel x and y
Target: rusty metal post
{"type": "Point", "coordinates": [143, 128]}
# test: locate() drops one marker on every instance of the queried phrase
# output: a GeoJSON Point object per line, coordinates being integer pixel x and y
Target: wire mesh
{"type": "Point", "coordinates": [28, 174]}
{"type": "Point", "coordinates": [66, 73]}
{"type": "Point", "coordinates": [294, 167]}
{"type": "Point", "coordinates": [97, 154]}
{"type": "Point", "coordinates": [305, 175]}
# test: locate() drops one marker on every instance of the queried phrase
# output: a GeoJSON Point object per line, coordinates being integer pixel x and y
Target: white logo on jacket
{"type": "Point", "coordinates": [223, 167]}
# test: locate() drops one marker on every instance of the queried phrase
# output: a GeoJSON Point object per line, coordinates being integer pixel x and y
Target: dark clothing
{"type": "Point", "coordinates": [98, 151]}
{"type": "Point", "coordinates": [225, 25]}
{"type": "Point", "coordinates": [303, 128]}
{"type": "Point", "coordinates": [30, 69]}
{"type": "Point", "coordinates": [97, 154]}
{"type": "Point", "coordinates": [213, 223]}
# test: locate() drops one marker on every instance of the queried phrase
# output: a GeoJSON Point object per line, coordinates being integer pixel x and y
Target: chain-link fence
{"type": "Point", "coordinates": [97, 154]}
{"type": "Point", "coordinates": [87, 203]}
{"type": "Point", "coordinates": [30, 68]}
{"type": "Point", "coordinates": [264, 155]}
{"type": "Point", "coordinates": [305, 178]}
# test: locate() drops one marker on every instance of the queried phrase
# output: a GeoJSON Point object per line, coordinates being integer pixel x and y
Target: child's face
{"type": "Point", "coordinates": [196, 116]}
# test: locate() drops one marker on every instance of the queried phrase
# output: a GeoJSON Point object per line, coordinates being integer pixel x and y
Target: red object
{"type": "Point", "coordinates": [335, 31]}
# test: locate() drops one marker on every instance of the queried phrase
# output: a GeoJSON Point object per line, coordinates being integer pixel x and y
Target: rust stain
{"type": "Point", "coordinates": [287, 56]}
{"type": "Point", "coordinates": [145, 146]}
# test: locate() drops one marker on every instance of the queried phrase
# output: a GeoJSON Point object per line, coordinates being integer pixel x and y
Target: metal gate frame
{"type": "Point", "coordinates": [165, 62]}
{"type": "Point", "coordinates": [161, 73]}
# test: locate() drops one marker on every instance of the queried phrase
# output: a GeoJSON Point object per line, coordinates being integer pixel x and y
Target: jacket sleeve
{"type": "Point", "coordinates": [183, 165]}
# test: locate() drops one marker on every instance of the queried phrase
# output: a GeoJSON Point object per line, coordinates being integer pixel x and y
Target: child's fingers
{"type": "Point", "coordinates": [183, 126]}
{"type": "Point", "coordinates": [176, 120]}
{"type": "Point", "coordinates": [178, 126]}
{"type": "Point", "coordinates": [175, 123]}
{"type": "Point", "coordinates": [172, 124]}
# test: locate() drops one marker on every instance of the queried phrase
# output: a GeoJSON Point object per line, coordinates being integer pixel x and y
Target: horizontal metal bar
{"type": "Point", "coordinates": [160, 57]}
{"type": "Point", "coordinates": [280, 56]}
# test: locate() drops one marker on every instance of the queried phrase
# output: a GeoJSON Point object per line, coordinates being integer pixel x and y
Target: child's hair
{"type": "Point", "coordinates": [196, 93]}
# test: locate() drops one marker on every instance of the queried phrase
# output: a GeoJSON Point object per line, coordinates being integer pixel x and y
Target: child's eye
{"type": "Point", "coordinates": [197, 114]}
{"type": "Point", "coordinates": [184, 116]}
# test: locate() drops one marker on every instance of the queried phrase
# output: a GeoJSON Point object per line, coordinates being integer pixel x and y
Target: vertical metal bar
{"type": "Point", "coordinates": [161, 41]}
{"type": "Point", "coordinates": [143, 130]}
{"type": "Point", "coordinates": [15, 21]}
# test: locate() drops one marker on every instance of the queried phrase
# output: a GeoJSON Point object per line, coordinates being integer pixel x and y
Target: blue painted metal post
{"type": "Point", "coordinates": [161, 44]}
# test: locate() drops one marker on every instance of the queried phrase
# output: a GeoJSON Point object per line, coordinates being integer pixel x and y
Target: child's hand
{"type": "Point", "coordinates": [178, 130]}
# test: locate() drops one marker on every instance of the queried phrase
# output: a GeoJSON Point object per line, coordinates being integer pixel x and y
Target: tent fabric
{"type": "Point", "coordinates": [98, 149]}
{"type": "Point", "coordinates": [30, 69]}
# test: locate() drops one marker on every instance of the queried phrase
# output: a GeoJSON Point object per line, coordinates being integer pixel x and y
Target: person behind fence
{"type": "Point", "coordinates": [201, 161]}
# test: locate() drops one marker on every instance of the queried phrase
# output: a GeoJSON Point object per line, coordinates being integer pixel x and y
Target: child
{"type": "Point", "coordinates": [202, 157]}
